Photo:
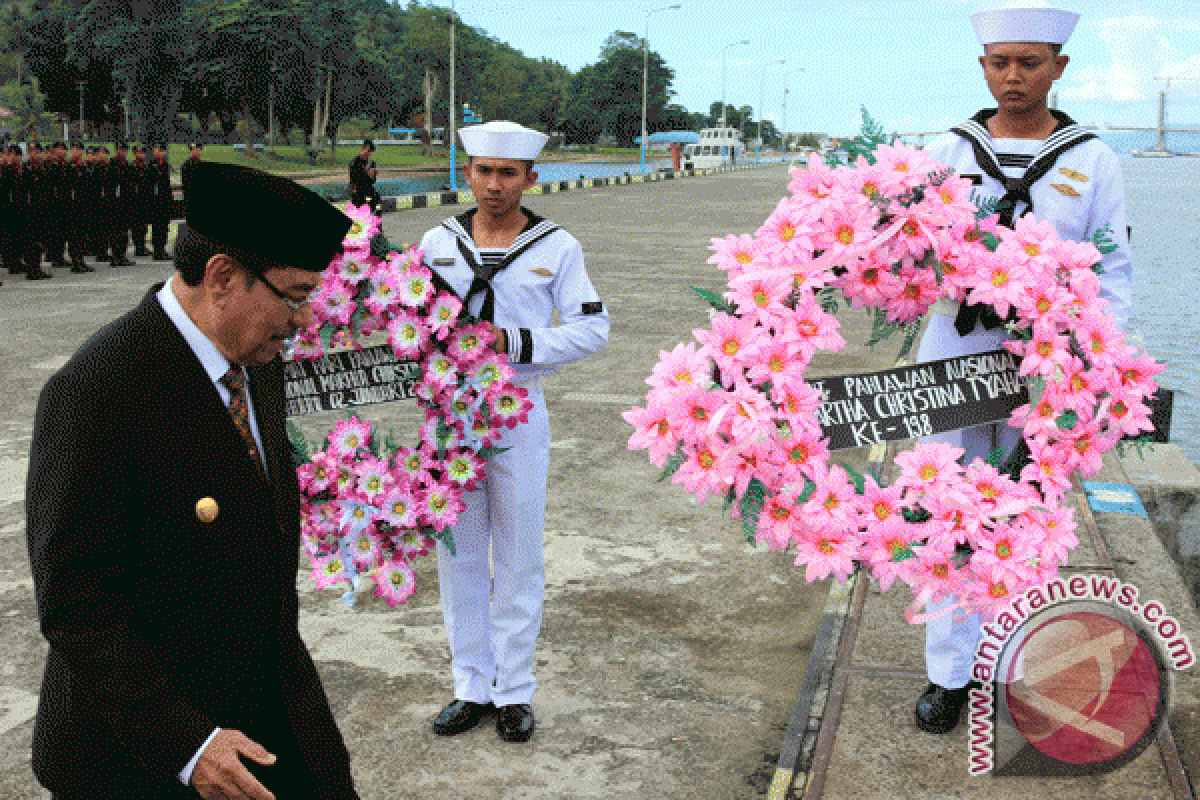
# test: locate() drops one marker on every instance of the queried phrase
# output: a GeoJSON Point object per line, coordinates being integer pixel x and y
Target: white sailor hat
{"type": "Point", "coordinates": [1024, 21]}
{"type": "Point", "coordinates": [502, 139]}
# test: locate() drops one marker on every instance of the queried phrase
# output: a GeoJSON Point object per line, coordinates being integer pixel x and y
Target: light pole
{"type": "Point", "coordinates": [81, 85]}
{"type": "Point", "coordinates": [646, 73]}
{"type": "Point", "coordinates": [761, 84]}
{"type": "Point", "coordinates": [450, 127]}
{"type": "Point", "coordinates": [785, 94]}
{"type": "Point", "coordinates": [723, 49]}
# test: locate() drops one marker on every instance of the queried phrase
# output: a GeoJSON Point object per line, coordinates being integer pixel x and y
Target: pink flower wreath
{"type": "Point", "coordinates": [371, 506]}
{"type": "Point", "coordinates": [732, 414]}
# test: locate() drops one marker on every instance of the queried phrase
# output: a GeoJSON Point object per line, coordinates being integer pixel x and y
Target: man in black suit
{"type": "Point", "coordinates": [140, 189]}
{"type": "Point", "coordinates": [362, 178]}
{"type": "Point", "coordinates": [195, 156]}
{"type": "Point", "coordinates": [164, 524]}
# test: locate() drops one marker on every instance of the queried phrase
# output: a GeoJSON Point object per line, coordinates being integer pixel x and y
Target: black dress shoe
{"type": "Point", "coordinates": [37, 274]}
{"type": "Point", "coordinates": [460, 716]}
{"type": "Point", "coordinates": [515, 723]}
{"type": "Point", "coordinates": [141, 252]}
{"type": "Point", "coordinates": [161, 255]}
{"type": "Point", "coordinates": [939, 708]}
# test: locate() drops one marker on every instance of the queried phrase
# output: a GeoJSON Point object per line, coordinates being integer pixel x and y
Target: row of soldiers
{"type": "Point", "coordinates": [56, 205]}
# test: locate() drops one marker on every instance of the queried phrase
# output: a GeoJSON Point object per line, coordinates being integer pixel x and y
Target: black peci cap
{"type": "Point", "coordinates": [369, 143]}
{"type": "Point", "coordinates": [272, 221]}
{"type": "Point", "coordinates": [195, 146]}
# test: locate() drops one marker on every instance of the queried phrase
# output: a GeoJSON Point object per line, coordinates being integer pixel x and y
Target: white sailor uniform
{"type": "Point", "coordinates": [493, 606]}
{"type": "Point", "coordinates": [1081, 193]}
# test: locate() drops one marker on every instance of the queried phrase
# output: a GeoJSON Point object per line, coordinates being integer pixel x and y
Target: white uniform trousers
{"type": "Point", "coordinates": [492, 587]}
{"type": "Point", "coordinates": [950, 642]}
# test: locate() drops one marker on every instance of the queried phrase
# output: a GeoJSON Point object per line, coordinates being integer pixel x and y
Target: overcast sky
{"type": "Point", "coordinates": [912, 63]}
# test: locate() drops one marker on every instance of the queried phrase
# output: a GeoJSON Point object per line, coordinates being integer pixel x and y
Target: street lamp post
{"type": "Point", "coordinates": [81, 85]}
{"type": "Point", "coordinates": [784, 120]}
{"type": "Point", "coordinates": [723, 49]}
{"type": "Point", "coordinates": [646, 73]}
{"type": "Point", "coordinates": [450, 132]}
{"type": "Point", "coordinates": [761, 84]}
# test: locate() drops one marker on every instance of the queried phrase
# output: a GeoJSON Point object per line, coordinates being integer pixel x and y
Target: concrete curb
{"type": "Point", "coordinates": [405, 202]}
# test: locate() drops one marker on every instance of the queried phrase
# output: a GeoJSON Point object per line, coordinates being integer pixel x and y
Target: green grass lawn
{"type": "Point", "coordinates": [291, 158]}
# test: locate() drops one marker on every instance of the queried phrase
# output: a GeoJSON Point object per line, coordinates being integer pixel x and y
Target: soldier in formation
{"type": "Point", "coordinates": [56, 205]}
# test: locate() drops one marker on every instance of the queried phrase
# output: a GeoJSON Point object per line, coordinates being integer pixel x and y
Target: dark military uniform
{"type": "Point", "coordinates": [35, 193]}
{"type": "Point", "coordinates": [77, 211]}
{"type": "Point", "coordinates": [54, 226]}
{"type": "Point", "coordinates": [119, 190]}
{"type": "Point", "coordinates": [185, 177]}
{"type": "Point", "coordinates": [140, 178]}
{"type": "Point", "coordinates": [158, 206]}
{"type": "Point", "coordinates": [88, 198]}
{"type": "Point", "coordinates": [11, 218]}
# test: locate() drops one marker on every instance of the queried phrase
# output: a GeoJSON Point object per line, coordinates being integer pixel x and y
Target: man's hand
{"type": "Point", "coordinates": [220, 774]}
{"type": "Point", "coordinates": [500, 344]}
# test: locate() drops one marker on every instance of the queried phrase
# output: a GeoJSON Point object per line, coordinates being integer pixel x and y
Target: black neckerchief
{"type": "Point", "coordinates": [537, 227]}
{"type": "Point", "coordinates": [1066, 134]}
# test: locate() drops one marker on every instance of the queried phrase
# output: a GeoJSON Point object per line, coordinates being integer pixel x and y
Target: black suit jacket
{"type": "Point", "coordinates": [162, 626]}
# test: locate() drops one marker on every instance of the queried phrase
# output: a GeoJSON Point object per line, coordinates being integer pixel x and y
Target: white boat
{"type": "Point", "coordinates": [1155, 153]}
{"type": "Point", "coordinates": [717, 147]}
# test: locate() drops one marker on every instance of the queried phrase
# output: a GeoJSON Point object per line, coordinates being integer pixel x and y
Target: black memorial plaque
{"type": "Point", "coordinates": [921, 400]}
{"type": "Point", "coordinates": [347, 379]}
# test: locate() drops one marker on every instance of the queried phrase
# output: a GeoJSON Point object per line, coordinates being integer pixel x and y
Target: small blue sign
{"type": "Point", "coordinates": [1117, 497]}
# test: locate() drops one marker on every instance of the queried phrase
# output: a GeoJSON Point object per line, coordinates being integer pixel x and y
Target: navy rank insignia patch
{"type": "Point", "coordinates": [542, 271]}
{"type": "Point", "coordinates": [1065, 189]}
{"type": "Point", "coordinates": [1073, 175]}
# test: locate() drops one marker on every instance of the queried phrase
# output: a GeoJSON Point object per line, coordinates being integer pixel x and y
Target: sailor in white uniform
{"type": "Point", "coordinates": [1025, 158]}
{"type": "Point", "coordinates": [516, 270]}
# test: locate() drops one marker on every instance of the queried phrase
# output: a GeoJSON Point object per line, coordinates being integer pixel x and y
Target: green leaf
{"type": "Point", "coordinates": [1067, 421]}
{"type": "Point", "coordinates": [809, 488]}
{"type": "Point", "coordinates": [673, 464]}
{"type": "Point", "coordinates": [856, 478]}
{"type": "Point", "coordinates": [730, 496]}
{"type": "Point", "coordinates": [714, 299]}
{"type": "Point", "coordinates": [301, 449]}
{"type": "Point", "coordinates": [327, 336]}
{"type": "Point", "coordinates": [827, 298]}
{"type": "Point", "coordinates": [445, 536]}
{"type": "Point", "coordinates": [904, 555]}
{"type": "Point", "coordinates": [376, 446]}
{"type": "Point", "coordinates": [995, 457]}
{"type": "Point", "coordinates": [751, 506]}
{"type": "Point", "coordinates": [488, 452]}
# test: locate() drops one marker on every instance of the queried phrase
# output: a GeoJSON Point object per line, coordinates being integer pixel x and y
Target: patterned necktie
{"type": "Point", "coordinates": [235, 382]}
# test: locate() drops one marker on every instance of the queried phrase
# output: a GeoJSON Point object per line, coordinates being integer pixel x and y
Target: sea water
{"type": "Point", "coordinates": [1163, 198]}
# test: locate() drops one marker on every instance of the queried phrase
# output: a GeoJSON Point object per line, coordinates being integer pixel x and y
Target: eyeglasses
{"type": "Point", "coordinates": [291, 302]}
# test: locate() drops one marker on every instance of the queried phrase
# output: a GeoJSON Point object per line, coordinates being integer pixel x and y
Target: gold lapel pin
{"type": "Point", "coordinates": [206, 509]}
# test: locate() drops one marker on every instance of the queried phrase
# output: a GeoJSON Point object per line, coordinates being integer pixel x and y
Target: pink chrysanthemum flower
{"type": "Point", "coordinates": [929, 465]}
{"type": "Point", "coordinates": [825, 553]}
{"type": "Point", "coordinates": [777, 520]}
{"type": "Point", "coordinates": [779, 363]}
{"type": "Point", "coordinates": [784, 236]}
{"type": "Point", "coordinates": [816, 328]}
{"type": "Point", "coordinates": [352, 267]}
{"type": "Point", "coordinates": [652, 432]}
{"type": "Point", "coordinates": [398, 507]}
{"type": "Point", "coordinates": [374, 478]}
{"type": "Point", "coordinates": [443, 313]}
{"type": "Point", "coordinates": [395, 581]}
{"type": "Point", "coordinates": [731, 343]}
{"type": "Point", "coordinates": [867, 282]}
{"type": "Point", "coordinates": [887, 547]}
{"type": "Point", "coordinates": [334, 303]}
{"type": "Point", "coordinates": [412, 466]}
{"type": "Point", "coordinates": [511, 407]}
{"type": "Point", "coordinates": [736, 254]}
{"type": "Point", "coordinates": [487, 374]}
{"type": "Point", "coordinates": [700, 473]}
{"type": "Point", "coordinates": [685, 365]}
{"type": "Point", "coordinates": [1136, 371]}
{"type": "Point", "coordinates": [935, 575]}
{"type": "Point", "coordinates": [468, 344]}
{"type": "Point", "coordinates": [329, 570]}
{"type": "Point", "coordinates": [318, 474]}
{"type": "Point", "coordinates": [411, 544]}
{"type": "Point", "coordinates": [918, 292]}
{"type": "Point", "coordinates": [1045, 354]}
{"type": "Point", "coordinates": [363, 549]}
{"type": "Point", "coordinates": [363, 226]}
{"type": "Point", "coordinates": [407, 334]}
{"type": "Point", "coordinates": [464, 469]}
{"type": "Point", "coordinates": [416, 288]}
{"type": "Point", "coordinates": [691, 413]}
{"type": "Point", "coordinates": [760, 295]}
{"type": "Point", "coordinates": [440, 506]}
{"type": "Point", "coordinates": [306, 347]}
{"type": "Point", "coordinates": [384, 296]}
{"type": "Point", "coordinates": [348, 436]}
